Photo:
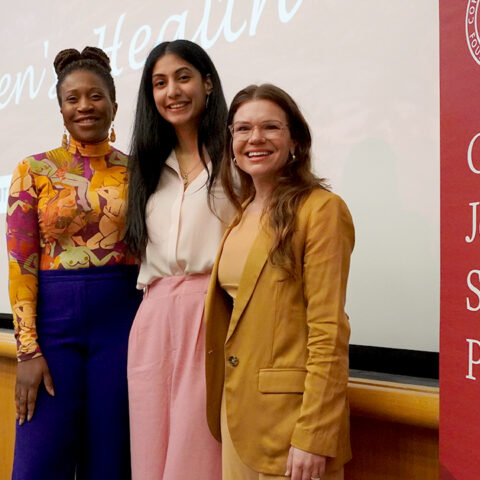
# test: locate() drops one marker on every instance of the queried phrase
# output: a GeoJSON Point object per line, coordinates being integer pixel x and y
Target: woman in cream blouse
{"type": "Point", "coordinates": [175, 221]}
{"type": "Point", "coordinates": [277, 333]}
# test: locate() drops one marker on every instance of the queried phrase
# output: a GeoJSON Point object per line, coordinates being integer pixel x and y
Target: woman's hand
{"type": "Point", "coordinates": [302, 465]}
{"type": "Point", "coordinates": [29, 375]}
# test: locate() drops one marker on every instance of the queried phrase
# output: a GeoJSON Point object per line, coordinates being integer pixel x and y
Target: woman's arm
{"type": "Point", "coordinates": [23, 256]}
{"type": "Point", "coordinates": [329, 240]}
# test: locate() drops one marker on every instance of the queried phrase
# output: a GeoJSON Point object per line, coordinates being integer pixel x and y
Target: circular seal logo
{"type": "Point", "coordinates": [471, 29]}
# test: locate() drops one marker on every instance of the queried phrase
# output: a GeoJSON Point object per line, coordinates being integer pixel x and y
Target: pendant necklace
{"type": "Point", "coordinates": [185, 175]}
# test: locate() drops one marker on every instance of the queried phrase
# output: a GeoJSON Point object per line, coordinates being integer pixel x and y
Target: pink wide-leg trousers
{"type": "Point", "coordinates": [170, 439]}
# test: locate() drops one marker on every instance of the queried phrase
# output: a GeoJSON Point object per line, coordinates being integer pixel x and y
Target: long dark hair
{"type": "Point", "coordinates": [294, 182]}
{"type": "Point", "coordinates": [154, 138]}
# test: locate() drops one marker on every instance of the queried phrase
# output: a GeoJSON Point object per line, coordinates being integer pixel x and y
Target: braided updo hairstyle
{"type": "Point", "coordinates": [92, 59]}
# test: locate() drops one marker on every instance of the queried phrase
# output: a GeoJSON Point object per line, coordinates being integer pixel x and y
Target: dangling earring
{"type": "Point", "coordinates": [65, 139]}
{"type": "Point", "coordinates": [206, 101]}
{"type": "Point", "coordinates": [113, 137]}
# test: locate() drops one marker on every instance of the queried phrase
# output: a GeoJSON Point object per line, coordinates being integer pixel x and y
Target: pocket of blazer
{"type": "Point", "coordinates": [281, 380]}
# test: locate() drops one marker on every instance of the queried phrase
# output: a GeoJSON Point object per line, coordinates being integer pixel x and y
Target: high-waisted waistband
{"type": "Point", "coordinates": [91, 273]}
{"type": "Point", "coordinates": [179, 284]}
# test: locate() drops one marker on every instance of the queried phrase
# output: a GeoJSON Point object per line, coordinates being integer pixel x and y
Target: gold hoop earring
{"type": "Point", "coordinates": [65, 141]}
{"type": "Point", "coordinates": [113, 136]}
{"type": "Point", "coordinates": [234, 160]}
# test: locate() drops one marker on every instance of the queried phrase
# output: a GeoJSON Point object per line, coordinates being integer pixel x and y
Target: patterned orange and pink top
{"type": "Point", "coordinates": [66, 210]}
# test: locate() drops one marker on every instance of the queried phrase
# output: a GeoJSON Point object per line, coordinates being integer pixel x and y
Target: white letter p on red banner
{"type": "Point", "coordinates": [471, 362]}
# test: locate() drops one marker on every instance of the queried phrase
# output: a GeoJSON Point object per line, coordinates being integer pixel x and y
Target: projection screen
{"type": "Point", "coordinates": [365, 74]}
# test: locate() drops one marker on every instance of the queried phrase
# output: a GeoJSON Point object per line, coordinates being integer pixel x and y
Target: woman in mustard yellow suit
{"type": "Point", "coordinates": [277, 333]}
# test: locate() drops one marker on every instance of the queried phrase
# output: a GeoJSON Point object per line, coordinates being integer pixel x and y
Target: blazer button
{"type": "Point", "coordinates": [233, 360]}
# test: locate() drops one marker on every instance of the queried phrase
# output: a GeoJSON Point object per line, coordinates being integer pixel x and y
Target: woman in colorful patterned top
{"type": "Point", "coordinates": [72, 287]}
{"type": "Point", "coordinates": [174, 221]}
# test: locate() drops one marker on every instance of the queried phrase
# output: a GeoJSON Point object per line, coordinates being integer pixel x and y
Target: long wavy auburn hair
{"type": "Point", "coordinates": [294, 182]}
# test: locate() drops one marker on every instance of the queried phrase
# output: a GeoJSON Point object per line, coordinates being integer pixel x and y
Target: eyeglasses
{"type": "Point", "coordinates": [270, 129]}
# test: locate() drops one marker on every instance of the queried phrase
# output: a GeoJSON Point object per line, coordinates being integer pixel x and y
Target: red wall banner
{"type": "Point", "coordinates": [460, 239]}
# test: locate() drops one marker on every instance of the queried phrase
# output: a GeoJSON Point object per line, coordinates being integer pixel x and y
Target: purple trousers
{"type": "Point", "coordinates": [83, 322]}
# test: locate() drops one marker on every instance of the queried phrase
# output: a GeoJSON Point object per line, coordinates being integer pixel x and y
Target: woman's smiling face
{"type": "Point", "coordinates": [86, 106]}
{"type": "Point", "coordinates": [179, 90]}
{"type": "Point", "coordinates": [263, 142]}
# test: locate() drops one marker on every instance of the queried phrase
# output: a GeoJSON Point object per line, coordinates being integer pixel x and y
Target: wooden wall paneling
{"type": "Point", "coordinates": [392, 451]}
{"type": "Point", "coordinates": [8, 368]}
{"type": "Point", "coordinates": [394, 431]}
{"type": "Point", "coordinates": [394, 426]}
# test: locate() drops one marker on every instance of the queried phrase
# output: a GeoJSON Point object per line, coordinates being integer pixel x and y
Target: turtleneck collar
{"type": "Point", "coordinates": [99, 149]}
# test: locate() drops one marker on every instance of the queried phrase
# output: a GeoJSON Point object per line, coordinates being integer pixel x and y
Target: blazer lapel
{"type": "Point", "coordinates": [214, 274]}
{"type": "Point", "coordinates": [253, 268]}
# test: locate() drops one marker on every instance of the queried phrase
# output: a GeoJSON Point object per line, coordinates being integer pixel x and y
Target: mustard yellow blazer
{"type": "Point", "coordinates": [281, 351]}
